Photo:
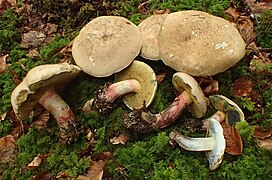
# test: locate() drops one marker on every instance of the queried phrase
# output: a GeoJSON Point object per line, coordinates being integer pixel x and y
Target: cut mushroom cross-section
{"type": "Point", "coordinates": [137, 84]}
{"type": "Point", "coordinates": [215, 144]}
{"type": "Point", "coordinates": [39, 89]}
{"type": "Point", "coordinates": [191, 96]}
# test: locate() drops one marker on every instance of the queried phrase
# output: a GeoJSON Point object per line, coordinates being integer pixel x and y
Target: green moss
{"type": "Point", "coordinates": [263, 26]}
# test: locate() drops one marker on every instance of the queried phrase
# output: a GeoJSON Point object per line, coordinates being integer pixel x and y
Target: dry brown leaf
{"type": "Point", "coordinates": [90, 137]}
{"type": "Point", "coordinates": [7, 148]}
{"type": "Point", "coordinates": [242, 87]}
{"type": "Point", "coordinates": [33, 54]}
{"type": "Point", "coordinates": [260, 6]}
{"type": "Point", "coordinates": [262, 133]}
{"type": "Point", "coordinates": [165, 11]}
{"type": "Point", "coordinates": [64, 176]}
{"type": "Point", "coordinates": [143, 8]}
{"type": "Point", "coordinates": [87, 108]}
{"type": "Point", "coordinates": [3, 63]}
{"type": "Point", "coordinates": [45, 175]}
{"type": "Point", "coordinates": [95, 171]}
{"type": "Point", "coordinates": [234, 143]}
{"type": "Point", "coordinates": [160, 77]}
{"type": "Point", "coordinates": [15, 77]}
{"type": "Point", "coordinates": [17, 124]}
{"type": "Point", "coordinates": [32, 39]}
{"type": "Point", "coordinates": [258, 64]}
{"type": "Point", "coordinates": [265, 143]}
{"type": "Point", "coordinates": [50, 28]}
{"type": "Point", "coordinates": [36, 161]}
{"type": "Point", "coordinates": [120, 139]}
{"type": "Point", "coordinates": [232, 13]}
{"type": "Point", "coordinates": [208, 85]}
{"type": "Point", "coordinates": [41, 121]}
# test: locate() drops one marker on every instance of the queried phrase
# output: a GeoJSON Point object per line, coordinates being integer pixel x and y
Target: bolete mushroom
{"type": "Point", "coordinates": [137, 84]}
{"type": "Point", "coordinates": [150, 29]}
{"type": "Point", "coordinates": [199, 44]}
{"type": "Point", "coordinates": [106, 45]}
{"type": "Point", "coordinates": [191, 96]}
{"type": "Point", "coordinates": [233, 113]}
{"type": "Point", "coordinates": [215, 144]}
{"type": "Point", "coordinates": [40, 89]}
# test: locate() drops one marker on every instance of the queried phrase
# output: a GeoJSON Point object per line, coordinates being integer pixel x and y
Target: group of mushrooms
{"type": "Point", "coordinates": [191, 42]}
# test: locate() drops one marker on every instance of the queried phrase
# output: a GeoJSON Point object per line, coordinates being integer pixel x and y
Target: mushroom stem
{"type": "Point", "coordinates": [105, 97]}
{"type": "Point", "coordinates": [215, 144]}
{"type": "Point", "coordinates": [142, 121]}
{"type": "Point", "coordinates": [119, 89]}
{"type": "Point", "coordinates": [65, 117]}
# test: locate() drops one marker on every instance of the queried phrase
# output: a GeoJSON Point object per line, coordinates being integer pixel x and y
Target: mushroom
{"type": "Point", "coordinates": [191, 96]}
{"type": "Point", "coordinates": [150, 29]}
{"type": "Point", "coordinates": [199, 44]}
{"type": "Point", "coordinates": [233, 113]}
{"type": "Point", "coordinates": [137, 83]}
{"type": "Point", "coordinates": [106, 45]}
{"type": "Point", "coordinates": [40, 89]}
{"type": "Point", "coordinates": [215, 143]}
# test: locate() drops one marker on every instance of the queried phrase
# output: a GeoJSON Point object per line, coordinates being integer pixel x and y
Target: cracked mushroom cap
{"type": "Point", "coordinates": [106, 45]}
{"type": "Point", "coordinates": [199, 44]}
{"type": "Point", "coordinates": [233, 112]}
{"type": "Point", "coordinates": [147, 78]}
{"type": "Point", "coordinates": [150, 29]}
{"type": "Point", "coordinates": [25, 97]}
{"type": "Point", "coordinates": [184, 82]}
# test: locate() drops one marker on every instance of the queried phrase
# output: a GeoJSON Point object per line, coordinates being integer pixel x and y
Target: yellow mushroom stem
{"type": "Point", "coordinates": [61, 111]}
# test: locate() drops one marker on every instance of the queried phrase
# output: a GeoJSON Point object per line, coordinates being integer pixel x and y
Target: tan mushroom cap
{"type": "Point", "coordinates": [25, 96]}
{"type": "Point", "coordinates": [106, 45]}
{"type": "Point", "coordinates": [150, 29]}
{"type": "Point", "coordinates": [184, 82]}
{"type": "Point", "coordinates": [199, 44]}
{"type": "Point", "coordinates": [145, 75]}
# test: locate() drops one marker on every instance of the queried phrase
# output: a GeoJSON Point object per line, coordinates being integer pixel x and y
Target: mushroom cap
{"type": "Point", "coordinates": [25, 97]}
{"type": "Point", "coordinates": [147, 78]}
{"type": "Point", "coordinates": [184, 82]}
{"type": "Point", "coordinates": [106, 45]}
{"type": "Point", "coordinates": [150, 29]}
{"type": "Point", "coordinates": [199, 44]}
{"type": "Point", "coordinates": [233, 112]}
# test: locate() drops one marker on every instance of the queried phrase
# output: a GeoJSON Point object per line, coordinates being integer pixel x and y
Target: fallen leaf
{"type": "Point", "coordinates": [36, 161]}
{"type": "Point", "coordinates": [17, 124]}
{"type": "Point", "coordinates": [90, 137]}
{"type": "Point", "coordinates": [121, 138]}
{"type": "Point", "coordinates": [242, 87]}
{"type": "Point", "coordinates": [32, 39]}
{"type": "Point", "coordinates": [259, 65]}
{"type": "Point", "coordinates": [160, 77]}
{"type": "Point", "coordinates": [208, 85]}
{"type": "Point", "coordinates": [232, 13]}
{"type": "Point", "coordinates": [165, 11]}
{"type": "Point", "coordinates": [24, 9]}
{"type": "Point", "coordinates": [50, 28]}
{"type": "Point", "coordinates": [234, 143]}
{"type": "Point", "coordinates": [3, 116]}
{"type": "Point", "coordinates": [7, 148]}
{"type": "Point", "coordinates": [3, 64]}
{"type": "Point", "coordinates": [87, 108]}
{"type": "Point", "coordinates": [265, 143]}
{"type": "Point", "coordinates": [45, 175]}
{"type": "Point", "coordinates": [34, 54]}
{"type": "Point", "coordinates": [143, 8]}
{"type": "Point", "coordinates": [15, 77]}
{"type": "Point", "coordinates": [259, 6]}
{"type": "Point", "coordinates": [64, 176]}
{"type": "Point", "coordinates": [262, 133]}
{"type": "Point", "coordinates": [41, 121]}
{"type": "Point", "coordinates": [95, 171]}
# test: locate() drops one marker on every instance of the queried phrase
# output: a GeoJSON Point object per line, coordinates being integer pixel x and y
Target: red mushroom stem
{"type": "Point", "coordinates": [121, 88]}
{"type": "Point", "coordinates": [105, 97]}
{"type": "Point", "coordinates": [142, 121]}
{"type": "Point", "coordinates": [61, 111]}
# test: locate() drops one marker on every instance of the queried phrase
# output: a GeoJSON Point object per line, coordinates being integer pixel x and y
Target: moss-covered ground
{"type": "Point", "coordinates": [144, 156]}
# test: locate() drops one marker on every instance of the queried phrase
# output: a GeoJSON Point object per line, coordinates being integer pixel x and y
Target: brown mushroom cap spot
{"type": "Point", "coordinates": [145, 75]}
{"type": "Point", "coordinates": [106, 45]}
{"type": "Point", "coordinates": [150, 29]}
{"type": "Point", "coordinates": [184, 82]}
{"type": "Point", "coordinates": [25, 96]}
{"type": "Point", "coordinates": [199, 44]}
